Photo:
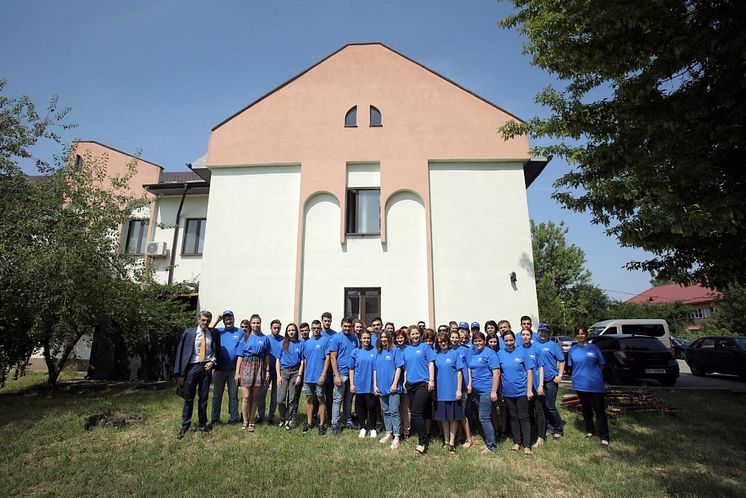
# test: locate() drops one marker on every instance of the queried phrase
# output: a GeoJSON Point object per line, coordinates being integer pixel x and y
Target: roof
{"type": "Point", "coordinates": [178, 177]}
{"type": "Point", "coordinates": [179, 182]}
{"type": "Point", "coordinates": [671, 293]}
{"type": "Point", "coordinates": [119, 151]}
{"type": "Point", "coordinates": [363, 44]}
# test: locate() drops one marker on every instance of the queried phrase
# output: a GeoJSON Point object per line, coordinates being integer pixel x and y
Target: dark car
{"type": "Point", "coordinates": [725, 355]}
{"type": "Point", "coordinates": [632, 357]}
{"type": "Point", "coordinates": [678, 346]}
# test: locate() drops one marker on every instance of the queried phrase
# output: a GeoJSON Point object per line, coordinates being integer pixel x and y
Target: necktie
{"type": "Point", "coordinates": [202, 347]}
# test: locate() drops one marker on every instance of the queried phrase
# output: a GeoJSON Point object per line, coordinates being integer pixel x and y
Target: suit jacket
{"type": "Point", "coordinates": [185, 349]}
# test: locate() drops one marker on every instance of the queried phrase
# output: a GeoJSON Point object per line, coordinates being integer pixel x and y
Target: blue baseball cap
{"type": "Point", "coordinates": [475, 325]}
{"type": "Point", "coordinates": [463, 325]}
{"type": "Point", "coordinates": [228, 313]}
{"type": "Point", "coordinates": [543, 327]}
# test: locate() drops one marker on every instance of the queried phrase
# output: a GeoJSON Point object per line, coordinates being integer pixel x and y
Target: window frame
{"type": "Point", "coordinates": [352, 209]}
{"type": "Point", "coordinates": [142, 235]}
{"type": "Point", "coordinates": [370, 117]}
{"type": "Point", "coordinates": [361, 302]}
{"type": "Point", "coordinates": [352, 110]}
{"type": "Point", "coordinates": [200, 226]}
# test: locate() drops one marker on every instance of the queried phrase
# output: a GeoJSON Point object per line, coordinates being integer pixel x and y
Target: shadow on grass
{"type": "Point", "coordinates": [697, 451]}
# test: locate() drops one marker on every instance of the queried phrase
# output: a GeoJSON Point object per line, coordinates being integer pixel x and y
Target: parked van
{"type": "Point", "coordinates": [653, 327]}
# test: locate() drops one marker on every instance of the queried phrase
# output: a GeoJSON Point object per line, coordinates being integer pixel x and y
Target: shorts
{"type": "Point", "coordinates": [313, 389]}
{"type": "Point", "coordinates": [449, 410]}
{"type": "Point", "coordinates": [252, 371]}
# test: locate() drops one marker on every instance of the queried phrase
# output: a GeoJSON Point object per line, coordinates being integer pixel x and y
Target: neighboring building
{"type": "Point", "coordinates": [367, 185]}
{"type": "Point", "coordinates": [701, 299]}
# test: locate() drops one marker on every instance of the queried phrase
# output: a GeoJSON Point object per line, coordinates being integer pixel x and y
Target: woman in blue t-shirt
{"type": "Point", "coordinates": [387, 384]}
{"type": "Point", "coordinates": [419, 378]}
{"type": "Point", "coordinates": [448, 389]}
{"type": "Point", "coordinates": [401, 341]}
{"type": "Point", "coordinates": [252, 369]}
{"type": "Point", "coordinates": [289, 368]}
{"type": "Point", "coordinates": [516, 384]}
{"type": "Point", "coordinates": [484, 376]}
{"type": "Point", "coordinates": [362, 365]}
{"type": "Point", "coordinates": [465, 353]}
{"type": "Point", "coordinates": [587, 362]}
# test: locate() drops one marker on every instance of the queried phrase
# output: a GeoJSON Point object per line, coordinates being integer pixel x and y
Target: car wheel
{"type": "Point", "coordinates": [696, 370]}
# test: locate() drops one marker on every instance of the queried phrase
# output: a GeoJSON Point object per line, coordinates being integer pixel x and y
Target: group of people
{"type": "Point", "coordinates": [401, 379]}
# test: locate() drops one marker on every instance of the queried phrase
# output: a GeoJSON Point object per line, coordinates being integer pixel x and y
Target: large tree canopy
{"type": "Point", "coordinates": [652, 118]}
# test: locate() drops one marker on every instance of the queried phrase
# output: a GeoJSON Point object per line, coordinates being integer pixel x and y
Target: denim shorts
{"type": "Point", "coordinates": [313, 389]}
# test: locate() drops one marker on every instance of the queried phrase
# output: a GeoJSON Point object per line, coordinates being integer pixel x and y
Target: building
{"type": "Point", "coordinates": [701, 299]}
{"type": "Point", "coordinates": [366, 185]}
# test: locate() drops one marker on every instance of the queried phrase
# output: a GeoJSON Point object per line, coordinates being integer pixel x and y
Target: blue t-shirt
{"type": "Point", "coordinates": [363, 361]}
{"type": "Point", "coordinates": [465, 353]}
{"type": "Point", "coordinates": [314, 352]}
{"type": "Point", "coordinates": [550, 353]}
{"type": "Point", "coordinates": [373, 340]}
{"type": "Point", "coordinates": [514, 366]}
{"type": "Point", "coordinates": [343, 344]}
{"type": "Point", "coordinates": [416, 361]}
{"type": "Point", "coordinates": [447, 365]}
{"type": "Point", "coordinates": [586, 364]}
{"type": "Point", "coordinates": [328, 333]}
{"type": "Point", "coordinates": [482, 363]}
{"type": "Point", "coordinates": [500, 341]}
{"type": "Point", "coordinates": [275, 349]}
{"type": "Point", "coordinates": [229, 339]}
{"type": "Point", "coordinates": [255, 345]}
{"type": "Point", "coordinates": [386, 364]}
{"type": "Point", "coordinates": [293, 356]}
{"type": "Point", "coordinates": [534, 353]}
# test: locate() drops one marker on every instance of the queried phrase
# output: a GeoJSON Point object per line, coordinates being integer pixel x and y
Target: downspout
{"type": "Point", "coordinates": [176, 236]}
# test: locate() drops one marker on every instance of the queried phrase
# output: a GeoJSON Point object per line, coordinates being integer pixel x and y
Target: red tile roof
{"type": "Point", "coordinates": [673, 292]}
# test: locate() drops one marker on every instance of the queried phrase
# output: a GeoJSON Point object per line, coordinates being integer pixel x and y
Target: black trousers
{"type": "Point", "coordinates": [536, 414]}
{"type": "Point", "coordinates": [365, 408]}
{"type": "Point", "coordinates": [197, 381]}
{"type": "Point", "coordinates": [520, 425]}
{"type": "Point", "coordinates": [594, 403]}
{"type": "Point", "coordinates": [419, 397]}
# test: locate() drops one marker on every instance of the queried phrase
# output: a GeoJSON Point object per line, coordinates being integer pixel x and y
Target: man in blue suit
{"type": "Point", "coordinates": [196, 358]}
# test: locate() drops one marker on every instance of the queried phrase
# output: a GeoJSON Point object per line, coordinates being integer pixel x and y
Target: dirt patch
{"type": "Point", "coordinates": [114, 418]}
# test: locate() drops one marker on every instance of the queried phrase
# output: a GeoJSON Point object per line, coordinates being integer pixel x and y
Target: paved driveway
{"type": "Point", "coordinates": [688, 381]}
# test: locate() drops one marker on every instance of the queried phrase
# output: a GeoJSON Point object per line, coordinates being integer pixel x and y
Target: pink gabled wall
{"type": "Point", "coordinates": [424, 116]}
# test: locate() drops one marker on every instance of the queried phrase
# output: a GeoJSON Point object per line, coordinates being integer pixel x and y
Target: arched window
{"type": "Point", "coordinates": [351, 117]}
{"type": "Point", "coordinates": [375, 117]}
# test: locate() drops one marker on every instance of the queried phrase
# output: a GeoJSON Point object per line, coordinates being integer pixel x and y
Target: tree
{"type": "Point", "coordinates": [653, 119]}
{"type": "Point", "coordinates": [62, 275]}
{"type": "Point", "coordinates": [730, 311]}
{"type": "Point", "coordinates": [563, 287]}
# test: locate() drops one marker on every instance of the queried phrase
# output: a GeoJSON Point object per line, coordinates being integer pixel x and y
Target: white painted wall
{"type": "Point", "coordinates": [398, 268]}
{"type": "Point", "coordinates": [481, 233]}
{"type": "Point", "coordinates": [187, 268]}
{"type": "Point", "coordinates": [363, 175]}
{"type": "Point", "coordinates": [251, 241]}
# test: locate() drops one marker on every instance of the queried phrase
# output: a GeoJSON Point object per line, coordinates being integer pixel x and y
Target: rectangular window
{"type": "Point", "coordinates": [362, 303]}
{"type": "Point", "coordinates": [194, 237]}
{"type": "Point", "coordinates": [364, 211]}
{"type": "Point", "coordinates": [137, 236]}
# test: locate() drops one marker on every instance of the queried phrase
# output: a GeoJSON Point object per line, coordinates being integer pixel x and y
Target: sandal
{"type": "Point", "coordinates": [604, 443]}
{"type": "Point", "coordinates": [251, 427]}
{"type": "Point", "coordinates": [515, 447]}
{"type": "Point", "coordinates": [244, 426]}
{"type": "Point", "coordinates": [419, 450]}
{"type": "Point", "coordinates": [467, 444]}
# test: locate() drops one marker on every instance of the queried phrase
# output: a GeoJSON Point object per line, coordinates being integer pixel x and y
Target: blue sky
{"type": "Point", "coordinates": [158, 75]}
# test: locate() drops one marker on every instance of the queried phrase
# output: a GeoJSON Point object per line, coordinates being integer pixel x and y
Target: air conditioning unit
{"type": "Point", "coordinates": [156, 249]}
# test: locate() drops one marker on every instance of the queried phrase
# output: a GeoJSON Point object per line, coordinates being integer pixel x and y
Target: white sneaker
{"type": "Point", "coordinates": [386, 438]}
{"type": "Point", "coordinates": [362, 434]}
{"type": "Point", "coordinates": [373, 434]}
{"type": "Point", "coordinates": [395, 443]}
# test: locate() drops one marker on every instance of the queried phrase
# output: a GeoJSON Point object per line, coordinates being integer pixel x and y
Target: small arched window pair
{"type": "Point", "coordinates": [351, 117]}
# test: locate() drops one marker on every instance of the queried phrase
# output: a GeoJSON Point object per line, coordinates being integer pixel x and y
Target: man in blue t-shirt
{"type": "Point", "coordinates": [226, 372]}
{"type": "Point", "coordinates": [526, 324]}
{"type": "Point", "coordinates": [328, 332]}
{"type": "Point", "coordinates": [275, 349]}
{"type": "Point", "coordinates": [340, 351]}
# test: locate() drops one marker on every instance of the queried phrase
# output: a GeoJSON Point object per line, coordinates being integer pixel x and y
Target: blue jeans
{"type": "Point", "coordinates": [554, 420]}
{"type": "Point", "coordinates": [485, 418]}
{"type": "Point", "coordinates": [220, 378]}
{"type": "Point", "coordinates": [342, 393]}
{"type": "Point", "coordinates": [272, 401]}
{"type": "Point", "coordinates": [390, 409]}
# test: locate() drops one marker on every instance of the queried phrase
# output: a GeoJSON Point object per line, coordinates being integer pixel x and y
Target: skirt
{"type": "Point", "coordinates": [252, 371]}
{"type": "Point", "coordinates": [449, 410]}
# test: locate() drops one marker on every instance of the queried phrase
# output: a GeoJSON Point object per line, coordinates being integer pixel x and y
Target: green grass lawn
{"type": "Point", "coordinates": [699, 451]}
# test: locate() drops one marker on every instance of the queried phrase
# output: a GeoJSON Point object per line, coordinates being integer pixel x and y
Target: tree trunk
{"type": "Point", "coordinates": [55, 366]}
